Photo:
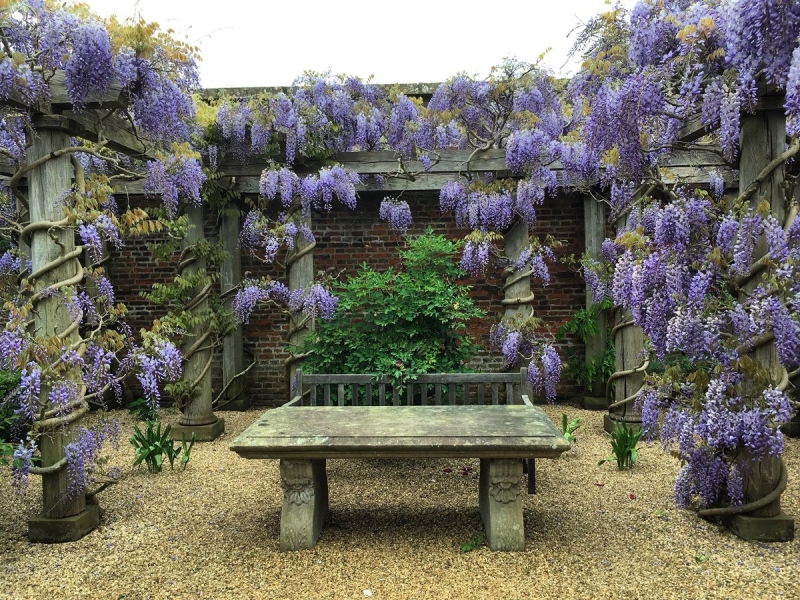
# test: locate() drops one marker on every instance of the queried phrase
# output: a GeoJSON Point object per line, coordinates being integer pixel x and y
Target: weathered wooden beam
{"type": "Point", "coordinates": [427, 182]}
{"type": "Point", "coordinates": [692, 130]}
{"type": "Point", "coordinates": [409, 89]}
{"type": "Point", "coordinates": [449, 161]}
{"type": "Point", "coordinates": [699, 175]}
{"type": "Point", "coordinates": [119, 133]}
{"type": "Point", "coordinates": [115, 97]}
{"type": "Point", "coordinates": [445, 161]}
{"type": "Point", "coordinates": [59, 99]}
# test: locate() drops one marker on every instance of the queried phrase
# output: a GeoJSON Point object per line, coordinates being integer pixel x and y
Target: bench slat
{"type": "Point", "coordinates": [514, 377]}
{"type": "Point", "coordinates": [459, 388]}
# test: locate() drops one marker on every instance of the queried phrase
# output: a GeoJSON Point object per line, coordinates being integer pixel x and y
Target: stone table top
{"type": "Point", "coordinates": [472, 431]}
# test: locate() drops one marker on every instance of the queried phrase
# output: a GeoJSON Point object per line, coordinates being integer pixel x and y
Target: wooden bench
{"type": "Point", "coordinates": [453, 415]}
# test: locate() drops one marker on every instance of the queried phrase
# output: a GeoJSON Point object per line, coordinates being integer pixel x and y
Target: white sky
{"type": "Point", "coordinates": [266, 43]}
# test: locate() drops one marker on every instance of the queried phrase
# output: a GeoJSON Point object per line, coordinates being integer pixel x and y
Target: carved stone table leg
{"type": "Point", "coordinates": [501, 503]}
{"type": "Point", "coordinates": [305, 502]}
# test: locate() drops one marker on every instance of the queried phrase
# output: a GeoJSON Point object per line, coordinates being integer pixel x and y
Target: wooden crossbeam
{"type": "Point", "coordinates": [119, 133]}
{"type": "Point", "coordinates": [115, 97]}
{"type": "Point", "coordinates": [691, 167]}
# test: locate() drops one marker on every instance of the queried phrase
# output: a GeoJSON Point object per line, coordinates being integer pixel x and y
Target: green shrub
{"type": "Point", "coordinates": [399, 322]}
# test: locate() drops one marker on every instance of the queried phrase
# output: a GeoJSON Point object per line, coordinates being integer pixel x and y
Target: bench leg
{"type": "Point", "coordinates": [529, 467]}
{"type": "Point", "coordinates": [501, 503]}
{"type": "Point", "coordinates": [305, 502]}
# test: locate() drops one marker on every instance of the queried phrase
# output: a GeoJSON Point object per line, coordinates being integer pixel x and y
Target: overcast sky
{"type": "Point", "coordinates": [247, 43]}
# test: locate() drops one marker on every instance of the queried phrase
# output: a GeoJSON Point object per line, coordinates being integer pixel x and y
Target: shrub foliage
{"type": "Point", "coordinates": [402, 321]}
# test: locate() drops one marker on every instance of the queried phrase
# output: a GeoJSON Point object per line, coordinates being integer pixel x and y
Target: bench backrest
{"type": "Point", "coordinates": [430, 388]}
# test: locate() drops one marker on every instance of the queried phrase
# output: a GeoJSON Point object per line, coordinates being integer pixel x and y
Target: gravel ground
{"type": "Point", "coordinates": [395, 530]}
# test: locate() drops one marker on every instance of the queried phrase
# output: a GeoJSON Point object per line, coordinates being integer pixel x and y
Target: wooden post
{"type": "Point", "coordinates": [232, 344]}
{"type": "Point", "coordinates": [594, 220]}
{"type": "Point", "coordinates": [197, 416]}
{"type": "Point", "coordinates": [65, 516]}
{"type": "Point", "coordinates": [300, 265]}
{"type": "Point", "coordinates": [629, 342]}
{"type": "Point", "coordinates": [517, 286]}
{"type": "Point", "coordinates": [762, 138]}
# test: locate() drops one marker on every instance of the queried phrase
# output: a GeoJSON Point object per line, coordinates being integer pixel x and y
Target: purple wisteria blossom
{"type": "Point", "coordinates": [89, 66]}
{"type": "Point", "coordinates": [162, 364]}
{"type": "Point", "coordinates": [397, 213]}
{"type": "Point", "coordinates": [180, 178]}
{"type": "Point", "coordinates": [83, 453]}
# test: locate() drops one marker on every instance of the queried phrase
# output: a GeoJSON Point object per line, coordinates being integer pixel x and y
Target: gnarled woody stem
{"type": "Point", "coordinates": [707, 513]}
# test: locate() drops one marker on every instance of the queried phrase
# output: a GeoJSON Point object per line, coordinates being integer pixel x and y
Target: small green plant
{"type": "Point", "coordinates": [624, 440]}
{"type": "Point", "coordinates": [152, 445]}
{"type": "Point", "coordinates": [568, 428]}
{"type": "Point", "coordinates": [700, 557]}
{"type": "Point", "coordinates": [6, 452]}
{"type": "Point", "coordinates": [475, 542]}
{"type": "Point", "coordinates": [10, 430]}
{"type": "Point", "coordinates": [583, 325]}
{"type": "Point", "coordinates": [142, 410]}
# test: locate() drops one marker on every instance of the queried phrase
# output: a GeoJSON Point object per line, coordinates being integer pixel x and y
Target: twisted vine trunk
{"type": "Point", "coordinates": [196, 413]}
{"type": "Point", "coordinates": [50, 243]}
{"type": "Point", "coordinates": [300, 267]}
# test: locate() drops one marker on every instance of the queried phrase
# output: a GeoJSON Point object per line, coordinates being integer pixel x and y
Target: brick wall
{"type": "Point", "coordinates": [345, 240]}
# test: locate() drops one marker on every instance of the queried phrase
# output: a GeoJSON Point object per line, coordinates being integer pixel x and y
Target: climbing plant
{"type": "Point", "coordinates": [84, 103]}
{"type": "Point", "coordinates": [709, 274]}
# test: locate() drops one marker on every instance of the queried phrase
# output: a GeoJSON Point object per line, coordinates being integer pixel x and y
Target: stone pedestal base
{"type": "Point", "coordinates": [610, 423]}
{"type": "Point", "coordinates": [203, 433]}
{"type": "Point", "coordinates": [594, 402]}
{"type": "Point", "coordinates": [305, 502]}
{"type": "Point", "coordinates": [779, 528]}
{"type": "Point", "coordinates": [500, 503]}
{"type": "Point", "coordinates": [65, 529]}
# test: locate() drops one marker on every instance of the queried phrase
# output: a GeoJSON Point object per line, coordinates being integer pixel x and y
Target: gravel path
{"type": "Point", "coordinates": [395, 530]}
